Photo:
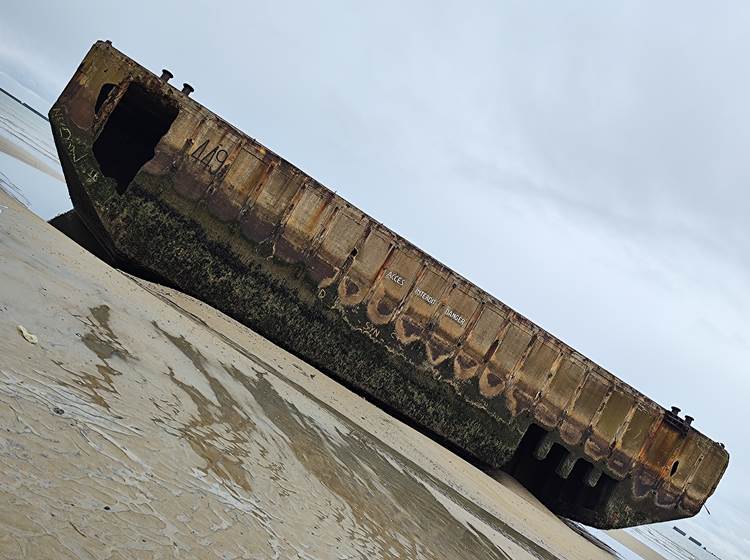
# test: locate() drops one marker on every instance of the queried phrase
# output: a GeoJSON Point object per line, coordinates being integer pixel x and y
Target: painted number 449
{"type": "Point", "coordinates": [210, 157]}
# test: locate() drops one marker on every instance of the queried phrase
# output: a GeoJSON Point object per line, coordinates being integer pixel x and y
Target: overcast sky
{"type": "Point", "coordinates": [584, 162]}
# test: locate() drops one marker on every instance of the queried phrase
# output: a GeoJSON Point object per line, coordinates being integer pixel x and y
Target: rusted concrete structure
{"type": "Point", "coordinates": [171, 190]}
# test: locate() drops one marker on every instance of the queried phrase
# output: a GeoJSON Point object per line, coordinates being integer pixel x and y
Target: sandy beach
{"type": "Point", "coordinates": [141, 423]}
{"type": "Point", "coordinates": [642, 549]}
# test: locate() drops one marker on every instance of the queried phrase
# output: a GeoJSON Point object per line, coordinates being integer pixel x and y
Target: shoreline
{"type": "Point", "coordinates": [24, 104]}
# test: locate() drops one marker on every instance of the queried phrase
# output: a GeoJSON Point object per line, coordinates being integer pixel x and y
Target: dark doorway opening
{"type": "Point", "coordinates": [130, 136]}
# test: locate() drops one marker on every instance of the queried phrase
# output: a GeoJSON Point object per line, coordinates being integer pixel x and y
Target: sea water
{"type": "Point", "coordinates": [29, 167]}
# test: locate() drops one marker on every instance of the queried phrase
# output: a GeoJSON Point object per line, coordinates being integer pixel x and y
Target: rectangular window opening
{"type": "Point", "coordinates": [133, 129]}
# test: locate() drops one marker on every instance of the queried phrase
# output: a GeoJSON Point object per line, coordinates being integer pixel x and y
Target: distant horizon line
{"type": "Point", "coordinates": [24, 104]}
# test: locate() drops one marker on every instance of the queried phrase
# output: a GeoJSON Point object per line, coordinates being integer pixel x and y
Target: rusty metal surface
{"type": "Point", "coordinates": [260, 217]}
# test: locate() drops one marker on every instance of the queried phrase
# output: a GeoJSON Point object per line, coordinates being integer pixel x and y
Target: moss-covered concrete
{"type": "Point", "coordinates": [276, 301]}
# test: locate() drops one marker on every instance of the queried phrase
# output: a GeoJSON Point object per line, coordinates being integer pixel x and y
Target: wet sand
{"type": "Point", "coordinates": [640, 548]}
{"type": "Point", "coordinates": [145, 424]}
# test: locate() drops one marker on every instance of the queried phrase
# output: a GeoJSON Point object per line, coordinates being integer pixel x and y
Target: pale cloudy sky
{"type": "Point", "coordinates": [584, 162]}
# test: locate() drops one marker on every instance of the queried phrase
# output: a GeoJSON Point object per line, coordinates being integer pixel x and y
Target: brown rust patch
{"type": "Point", "coordinates": [630, 440]}
{"type": "Point", "coordinates": [464, 366]}
{"type": "Point", "coordinates": [255, 229]}
{"type": "Point", "coordinates": [350, 287]}
{"type": "Point", "coordinates": [380, 307]}
{"type": "Point", "coordinates": [320, 272]}
{"type": "Point", "coordinates": [385, 308]}
{"type": "Point", "coordinates": [512, 344]}
{"type": "Point", "coordinates": [222, 206]}
{"type": "Point", "coordinates": [407, 331]}
{"type": "Point", "coordinates": [612, 419]}
{"type": "Point", "coordinates": [491, 384]}
{"type": "Point", "coordinates": [287, 252]}
{"type": "Point", "coordinates": [532, 373]}
{"type": "Point", "coordinates": [437, 350]}
{"type": "Point", "coordinates": [493, 380]}
{"type": "Point", "coordinates": [577, 420]}
{"type": "Point", "coordinates": [557, 396]}
{"type": "Point", "coordinates": [187, 185]}
{"type": "Point", "coordinates": [654, 458]}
